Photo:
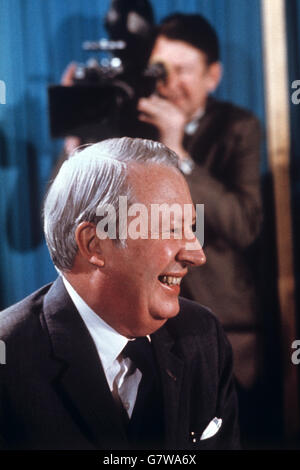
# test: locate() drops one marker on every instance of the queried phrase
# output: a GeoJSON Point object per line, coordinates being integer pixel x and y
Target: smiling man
{"type": "Point", "coordinates": [108, 356]}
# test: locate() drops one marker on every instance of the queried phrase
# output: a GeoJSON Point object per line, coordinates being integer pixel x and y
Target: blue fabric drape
{"type": "Point", "coordinates": [38, 38]}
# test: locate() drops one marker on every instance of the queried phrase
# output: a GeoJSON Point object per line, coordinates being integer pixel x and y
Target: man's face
{"type": "Point", "coordinates": [142, 281]}
{"type": "Point", "coordinates": [189, 79]}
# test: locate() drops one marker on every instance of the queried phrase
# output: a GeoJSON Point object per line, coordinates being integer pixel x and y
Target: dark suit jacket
{"type": "Point", "coordinates": [226, 152]}
{"type": "Point", "coordinates": [53, 391]}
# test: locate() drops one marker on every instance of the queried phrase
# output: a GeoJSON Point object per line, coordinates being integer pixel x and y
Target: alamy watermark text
{"type": "Point", "coordinates": [159, 221]}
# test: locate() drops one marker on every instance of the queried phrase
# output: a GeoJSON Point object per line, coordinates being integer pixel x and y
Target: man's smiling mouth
{"type": "Point", "coordinates": [170, 280]}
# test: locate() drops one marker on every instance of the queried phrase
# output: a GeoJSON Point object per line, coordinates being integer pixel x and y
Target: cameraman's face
{"type": "Point", "coordinates": [189, 79]}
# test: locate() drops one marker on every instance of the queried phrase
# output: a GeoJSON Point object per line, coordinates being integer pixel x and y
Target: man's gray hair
{"type": "Point", "coordinates": [93, 177]}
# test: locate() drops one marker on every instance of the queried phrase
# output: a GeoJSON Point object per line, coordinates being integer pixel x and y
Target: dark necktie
{"type": "Point", "coordinates": [140, 353]}
{"type": "Point", "coordinates": [145, 428]}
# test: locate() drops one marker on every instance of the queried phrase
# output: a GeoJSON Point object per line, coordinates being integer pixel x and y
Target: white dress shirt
{"type": "Point", "coordinates": [122, 376]}
{"type": "Point", "coordinates": [192, 125]}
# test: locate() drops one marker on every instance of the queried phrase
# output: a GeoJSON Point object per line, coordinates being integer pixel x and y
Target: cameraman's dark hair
{"type": "Point", "coordinates": [193, 29]}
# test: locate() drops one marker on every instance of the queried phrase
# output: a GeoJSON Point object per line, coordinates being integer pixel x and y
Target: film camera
{"type": "Point", "coordinates": [102, 101]}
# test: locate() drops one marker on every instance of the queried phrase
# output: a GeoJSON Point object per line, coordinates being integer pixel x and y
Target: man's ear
{"type": "Point", "coordinates": [214, 75]}
{"type": "Point", "coordinates": [89, 244]}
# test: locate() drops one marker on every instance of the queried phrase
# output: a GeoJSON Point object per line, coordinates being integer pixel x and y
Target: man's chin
{"type": "Point", "coordinates": [169, 310]}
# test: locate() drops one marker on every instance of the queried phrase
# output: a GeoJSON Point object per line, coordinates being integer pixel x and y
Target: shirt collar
{"type": "Point", "coordinates": [191, 126]}
{"type": "Point", "coordinates": [109, 342]}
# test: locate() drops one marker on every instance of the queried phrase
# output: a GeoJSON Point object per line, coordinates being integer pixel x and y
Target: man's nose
{"type": "Point", "coordinates": [191, 253]}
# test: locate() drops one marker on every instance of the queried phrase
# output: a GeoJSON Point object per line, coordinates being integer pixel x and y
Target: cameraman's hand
{"type": "Point", "coordinates": [168, 118]}
{"type": "Point", "coordinates": [72, 141]}
{"type": "Point", "coordinates": [68, 76]}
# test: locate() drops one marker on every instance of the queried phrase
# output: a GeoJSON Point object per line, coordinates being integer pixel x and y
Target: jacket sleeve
{"type": "Point", "coordinates": [232, 204]}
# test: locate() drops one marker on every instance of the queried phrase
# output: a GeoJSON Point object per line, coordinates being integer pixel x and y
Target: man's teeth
{"type": "Point", "coordinates": [171, 281]}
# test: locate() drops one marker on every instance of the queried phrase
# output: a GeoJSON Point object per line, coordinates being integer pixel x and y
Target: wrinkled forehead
{"type": "Point", "coordinates": [157, 184]}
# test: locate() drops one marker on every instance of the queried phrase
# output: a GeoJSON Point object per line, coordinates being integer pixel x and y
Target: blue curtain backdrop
{"type": "Point", "coordinates": [38, 38]}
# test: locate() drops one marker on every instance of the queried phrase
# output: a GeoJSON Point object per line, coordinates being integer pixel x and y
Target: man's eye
{"type": "Point", "coordinates": [191, 228]}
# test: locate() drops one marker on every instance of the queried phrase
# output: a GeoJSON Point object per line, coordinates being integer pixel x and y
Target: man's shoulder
{"type": "Point", "coordinates": [193, 319]}
{"type": "Point", "coordinates": [22, 314]}
{"type": "Point", "coordinates": [231, 112]}
{"type": "Point", "coordinates": [196, 330]}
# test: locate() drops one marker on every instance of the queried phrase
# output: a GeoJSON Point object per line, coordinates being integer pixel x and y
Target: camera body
{"type": "Point", "coordinates": [103, 99]}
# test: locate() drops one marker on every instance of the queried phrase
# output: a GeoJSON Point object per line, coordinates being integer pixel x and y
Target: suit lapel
{"type": "Point", "coordinates": [81, 381]}
{"type": "Point", "coordinates": [171, 369]}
